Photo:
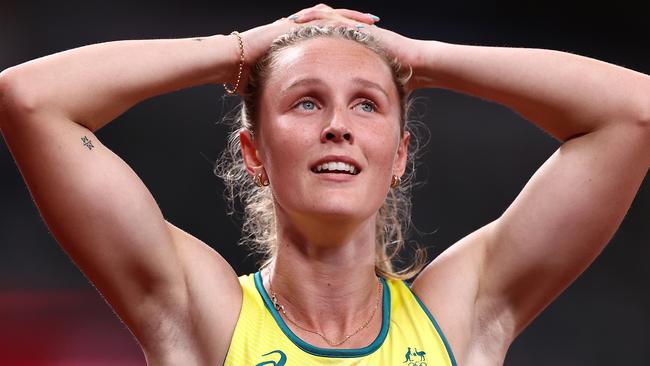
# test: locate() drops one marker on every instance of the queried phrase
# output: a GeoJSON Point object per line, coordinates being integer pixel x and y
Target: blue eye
{"type": "Point", "coordinates": [367, 106]}
{"type": "Point", "coordinates": [307, 104]}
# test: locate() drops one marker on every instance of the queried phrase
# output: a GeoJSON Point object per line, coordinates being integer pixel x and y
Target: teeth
{"type": "Point", "coordinates": [337, 166]}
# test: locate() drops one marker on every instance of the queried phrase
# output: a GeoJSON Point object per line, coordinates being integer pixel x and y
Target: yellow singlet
{"type": "Point", "coordinates": [409, 335]}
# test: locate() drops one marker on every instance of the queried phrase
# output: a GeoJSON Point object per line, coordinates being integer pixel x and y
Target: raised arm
{"type": "Point", "coordinates": [160, 280]}
{"type": "Point", "coordinates": [96, 207]}
{"type": "Point", "coordinates": [504, 274]}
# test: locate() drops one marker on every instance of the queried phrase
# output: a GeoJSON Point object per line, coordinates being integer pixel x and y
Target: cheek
{"type": "Point", "coordinates": [284, 148]}
{"type": "Point", "coordinates": [382, 148]}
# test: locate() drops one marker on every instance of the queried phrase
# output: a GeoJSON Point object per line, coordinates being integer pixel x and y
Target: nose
{"type": "Point", "coordinates": [336, 130]}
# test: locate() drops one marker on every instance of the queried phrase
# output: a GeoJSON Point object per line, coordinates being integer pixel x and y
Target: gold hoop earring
{"type": "Point", "coordinates": [261, 180]}
{"type": "Point", "coordinates": [395, 181]}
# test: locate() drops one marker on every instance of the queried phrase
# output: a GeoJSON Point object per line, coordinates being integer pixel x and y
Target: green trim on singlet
{"type": "Point", "coordinates": [328, 352]}
{"type": "Point", "coordinates": [435, 324]}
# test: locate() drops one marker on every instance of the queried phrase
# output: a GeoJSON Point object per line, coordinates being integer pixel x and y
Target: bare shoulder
{"type": "Point", "coordinates": [199, 330]}
{"type": "Point", "coordinates": [449, 287]}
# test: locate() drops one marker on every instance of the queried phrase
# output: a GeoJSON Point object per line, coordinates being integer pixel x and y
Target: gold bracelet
{"type": "Point", "coordinates": [241, 65]}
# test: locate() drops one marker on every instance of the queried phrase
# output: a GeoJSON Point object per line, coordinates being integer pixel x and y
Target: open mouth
{"type": "Point", "coordinates": [337, 167]}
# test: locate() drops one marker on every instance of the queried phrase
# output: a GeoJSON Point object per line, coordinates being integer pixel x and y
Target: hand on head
{"type": "Point", "coordinates": [258, 40]}
{"type": "Point", "coordinates": [403, 48]}
{"type": "Point", "coordinates": [324, 15]}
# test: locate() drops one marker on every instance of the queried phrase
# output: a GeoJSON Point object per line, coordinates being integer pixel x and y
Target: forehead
{"type": "Point", "coordinates": [330, 58]}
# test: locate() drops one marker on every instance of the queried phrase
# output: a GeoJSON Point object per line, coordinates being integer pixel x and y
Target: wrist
{"type": "Point", "coordinates": [233, 87]}
{"type": "Point", "coordinates": [425, 63]}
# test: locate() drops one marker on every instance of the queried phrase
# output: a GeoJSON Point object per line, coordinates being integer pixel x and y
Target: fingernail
{"type": "Point", "coordinates": [374, 17]}
{"type": "Point", "coordinates": [293, 17]}
{"type": "Point", "coordinates": [359, 26]}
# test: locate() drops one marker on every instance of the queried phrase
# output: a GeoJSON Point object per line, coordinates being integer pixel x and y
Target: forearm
{"type": "Point", "coordinates": [565, 94]}
{"type": "Point", "coordinates": [92, 85]}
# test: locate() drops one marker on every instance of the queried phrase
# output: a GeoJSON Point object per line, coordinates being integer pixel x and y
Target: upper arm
{"type": "Point", "coordinates": [104, 217]}
{"type": "Point", "coordinates": [562, 219]}
{"type": "Point", "coordinates": [515, 266]}
{"type": "Point", "coordinates": [97, 208]}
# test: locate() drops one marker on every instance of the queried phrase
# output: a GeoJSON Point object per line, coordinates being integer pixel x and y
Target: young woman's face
{"type": "Point", "coordinates": [328, 131]}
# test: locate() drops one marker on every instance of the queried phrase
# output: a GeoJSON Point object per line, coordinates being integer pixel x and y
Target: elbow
{"type": "Point", "coordinates": [16, 99]}
{"type": "Point", "coordinates": [643, 121]}
{"type": "Point", "coordinates": [635, 115]}
{"type": "Point", "coordinates": [640, 126]}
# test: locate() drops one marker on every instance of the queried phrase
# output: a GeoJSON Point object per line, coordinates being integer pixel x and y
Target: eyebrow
{"type": "Point", "coordinates": [316, 81]}
{"type": "Point", "coordinates": [370, 84]}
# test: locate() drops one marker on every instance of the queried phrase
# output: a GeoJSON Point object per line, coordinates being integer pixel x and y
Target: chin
{"type": "Point", "coordinates": [341, 210]}
{"type": "Point", "coordinates": [330, 202]}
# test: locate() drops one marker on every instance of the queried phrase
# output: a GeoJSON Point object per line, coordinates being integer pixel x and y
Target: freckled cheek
{"type": "Point", "coordinates": [381, 151]}
{"type": "Point", "coordinates": [285, 153]}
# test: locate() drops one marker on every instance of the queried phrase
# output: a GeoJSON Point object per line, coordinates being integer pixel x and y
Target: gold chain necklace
{"type": "Point", "coordinates": [279, 307]}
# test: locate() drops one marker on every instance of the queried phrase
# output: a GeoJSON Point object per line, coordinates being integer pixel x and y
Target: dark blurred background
{"type": "Point", "coordinates": [479, 156]}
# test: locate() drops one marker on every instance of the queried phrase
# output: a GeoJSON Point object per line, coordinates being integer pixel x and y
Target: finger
{"type": "Point", "coordinates": [322, 7]}
{"type": "Point", "coordinates": [311, 14]}
{"type": "Point", "coordinates": [299, 17]}
{"type": "Point", "coordinates": [336, 23]}
{"type": "Point", "coordinates": [358, 16]}
{"type": "Point", "coordinates": [314, 13]}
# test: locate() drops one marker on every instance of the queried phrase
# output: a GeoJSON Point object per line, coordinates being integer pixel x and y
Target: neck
{"type": "Point", "coordinates": [337, 288]}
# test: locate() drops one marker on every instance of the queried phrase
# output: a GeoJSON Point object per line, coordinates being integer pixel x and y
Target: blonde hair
{"type": "Point", "coordinates": [259, 230]}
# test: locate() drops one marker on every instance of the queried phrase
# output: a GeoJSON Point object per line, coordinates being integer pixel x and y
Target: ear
{"type": "Point", "coordinates": [402, 155]}
{"type": "Point", "coordinates": [249, 152]}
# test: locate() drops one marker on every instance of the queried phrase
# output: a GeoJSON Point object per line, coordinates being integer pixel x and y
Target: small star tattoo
{"type": "Point", "coordinates": [87, 142]}
{"type": "Point", "coordinates": [198, 39]}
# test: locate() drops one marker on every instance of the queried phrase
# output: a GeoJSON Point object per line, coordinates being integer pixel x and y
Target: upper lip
{"type": "Point", "coordinates": [339, 158]}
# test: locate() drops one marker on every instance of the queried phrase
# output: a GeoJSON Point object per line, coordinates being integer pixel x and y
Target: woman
{"type": "Point", "coordinates": [327, 102]}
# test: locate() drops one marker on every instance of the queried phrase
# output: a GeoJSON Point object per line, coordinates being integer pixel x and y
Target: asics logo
{"type": "Point", "coordinates": [281, 362]}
